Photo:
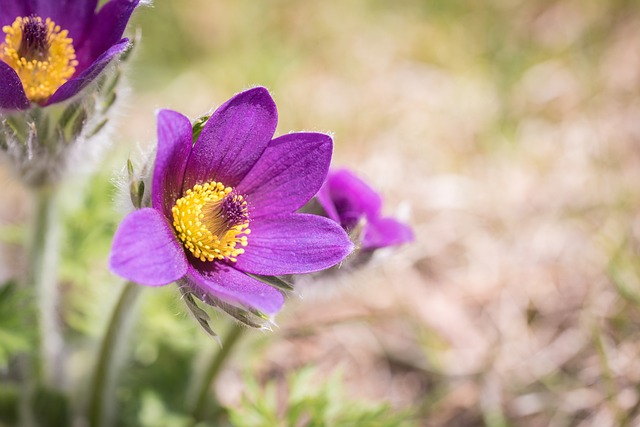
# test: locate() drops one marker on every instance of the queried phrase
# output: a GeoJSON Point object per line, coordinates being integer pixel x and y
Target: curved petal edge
{"type": "Point", "coordinates": [234, 287]}
{"type": "Point", "coordinates": [290, 171]}
{"type": "Point", "coordinates": [293, 244]}
{"type": "Point", "coordinates": [174, 147]}
{"type": "Point", "coordinates": [12, 95]}
{"type": "Point", "coordinates": [146, 251]}
{"type": "Point", "coordinates": [76, 84]}
{"type": "Point", "coordinates": [233, 139]}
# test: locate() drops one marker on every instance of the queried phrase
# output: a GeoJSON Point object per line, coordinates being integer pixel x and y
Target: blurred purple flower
{"type": "Point", "coordinates": [349, 201]}
{"type": "Point", "coordinates": [225, 206]}
{"type": "Point", "coordinates": [52, 49]}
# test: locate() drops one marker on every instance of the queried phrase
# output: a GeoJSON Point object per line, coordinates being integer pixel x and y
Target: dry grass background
{"type": "Point", "coordinates": [506, 132]}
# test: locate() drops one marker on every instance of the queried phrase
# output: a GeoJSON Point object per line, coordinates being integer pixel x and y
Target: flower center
{"type": "Point", "coordinates": [212, 221]}
{"type": "Point", "coordinates": [40, 53]}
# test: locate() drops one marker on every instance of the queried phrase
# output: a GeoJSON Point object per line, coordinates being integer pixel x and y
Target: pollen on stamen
{"type": "Point", "coordinates": [212, 222]}
{"type": "Point", "coordinates": [41, 53]}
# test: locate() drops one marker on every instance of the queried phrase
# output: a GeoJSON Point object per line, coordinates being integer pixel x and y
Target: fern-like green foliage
{"type": "Point", "coordinates": [14, 337]}
{"type": "Point", "coordinates": [307, 402]}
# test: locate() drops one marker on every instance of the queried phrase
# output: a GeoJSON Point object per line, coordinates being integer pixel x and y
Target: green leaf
{"type": "Point", "coordinates": [275, 281]}
{"type": "Point", "coordinates": [201, 316]}
{"type": "Point", "coordinates": [311, 402]}
{"type": "Point", "coordinates": [98, 128]}
{"type": "Point", "coordinates": [248, 317]}
{"type": "Point", "coordinates": [15, 307]}
{"type": "Point", "coordinates": [198, 125]}
{"type": "Point", "coordinates": [68, 114]}
{"type": "Point", "coordinates": [20, 128]}
{"type": "Point", "coordinates": [77, 124]}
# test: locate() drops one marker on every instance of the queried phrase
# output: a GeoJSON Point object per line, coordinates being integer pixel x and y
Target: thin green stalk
{"type": "Point", "coordinates": [44, 367]}
{"type": "Point", "coordinates": [213, 369]}
{"type": "Point", "coordinates": [107, 366]}
{"type": "Point", "coordinates": [41, 277]}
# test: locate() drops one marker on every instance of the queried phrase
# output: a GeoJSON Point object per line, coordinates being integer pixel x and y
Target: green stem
{"type": "Point", "coordinates": [41, 283]}
{"type": "Point", "coordinates": [213, 369]}
{"type": "Point", "coordinates": [42, 279]}
{"type": "Point", "coordinates": [106, 369]}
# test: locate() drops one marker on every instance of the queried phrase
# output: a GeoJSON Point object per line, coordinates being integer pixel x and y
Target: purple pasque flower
{"type": "Point", "coordinates": [225, 206]}
{"type": "Point", "coordinates": [349, 201]}
{"type": "Point", "coordinates": [51, 49]}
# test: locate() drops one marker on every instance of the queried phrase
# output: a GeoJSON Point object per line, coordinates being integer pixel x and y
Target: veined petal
{"type": "Point", "coordinates": [12, 96]}
{"type": "Point", "coordinates": [293, 244]}
{"type": "Point", "coordinates": [76, 84]}
{"type": "Point", "coordinates": [145, 250]}
{"type": "Point", "coordinates": [233, 139]}
{"type": "Point", "coordinates": [73, 16]}
{"type": "Point", "coordinates": [106, 30]}
{"type": "Point", "coordinates": [234, 287]}
{"type": "Point", "coordinates": [288, 174]}
{"type": "Point", "coordinates": [174, 146]}
{"type": "Point", "coordinates": [383, 232]}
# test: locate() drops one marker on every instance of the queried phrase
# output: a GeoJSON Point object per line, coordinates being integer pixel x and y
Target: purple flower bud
{"type": "Point", "coordinates": [357, 207]}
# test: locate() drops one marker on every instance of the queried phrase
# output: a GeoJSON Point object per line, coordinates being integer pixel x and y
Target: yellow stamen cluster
{"type": "Point", "coordinates": [41, 76]}
{"type": "Point", "coordinates": [200, 222]}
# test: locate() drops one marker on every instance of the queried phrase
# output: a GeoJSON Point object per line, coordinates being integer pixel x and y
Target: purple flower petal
{"type": "Point", "coordinates": [234, 287]}
{"type": "Point", "coordinates": [293, 244]}
{"type": "Point", "coordinates": [174, 145]}
{"type": "Point", "coordinates": [233, 139]}
{"type": "Point", "coordinates": [351, 197]}
{"type": "Point", "coordinates": [383, 232]}
{"type": "Point", "coordinates": [289, 173]}
{"type": "Point", "coordinates": [76, 84]}
{"type": "Point", "coordinates": [324, 198]}
{"type": "Point", "coordinates": [106, 30]}
{"type": "Point", "coordinates": [12, 96]}
{"type": "Point", "coordinates": [74, 16]}
{"type": "Point", "coordinates": [145, 250]}
{"type": "Point", "coordinates": [10, 10]}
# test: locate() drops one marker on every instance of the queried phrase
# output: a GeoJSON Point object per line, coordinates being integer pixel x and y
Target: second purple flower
{"type": "Point", "coordinates": [52, 49]}
{"type": "Point", "coordinates": [225, 206]}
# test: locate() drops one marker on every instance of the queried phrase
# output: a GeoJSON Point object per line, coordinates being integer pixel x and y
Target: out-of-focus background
{"type": "Point", "coordinates": [506, 132]}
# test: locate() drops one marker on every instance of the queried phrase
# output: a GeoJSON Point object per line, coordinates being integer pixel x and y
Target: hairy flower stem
{"type": "Point", "coordinates": [42, 279]}
{"type": "Point", "coordinates": [107, 366]}
{"type": "Point", "coordinates": [40, 283]}
{"type": "Point", "coordinates": [213, 369]}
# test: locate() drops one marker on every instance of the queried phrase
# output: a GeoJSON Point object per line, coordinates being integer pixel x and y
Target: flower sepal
{"type": "Point", "coordinates": [282, 283]}
{"type": "Point", "coordinates": [246, 316]}
{"type": "Point", "coordinates": [200, 315]}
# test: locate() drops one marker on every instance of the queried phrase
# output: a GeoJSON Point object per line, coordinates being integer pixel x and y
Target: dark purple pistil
{"type": "Point", "coordinates": [233, 210]}
{"type": "Point", "coordinates": [35, 39]}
